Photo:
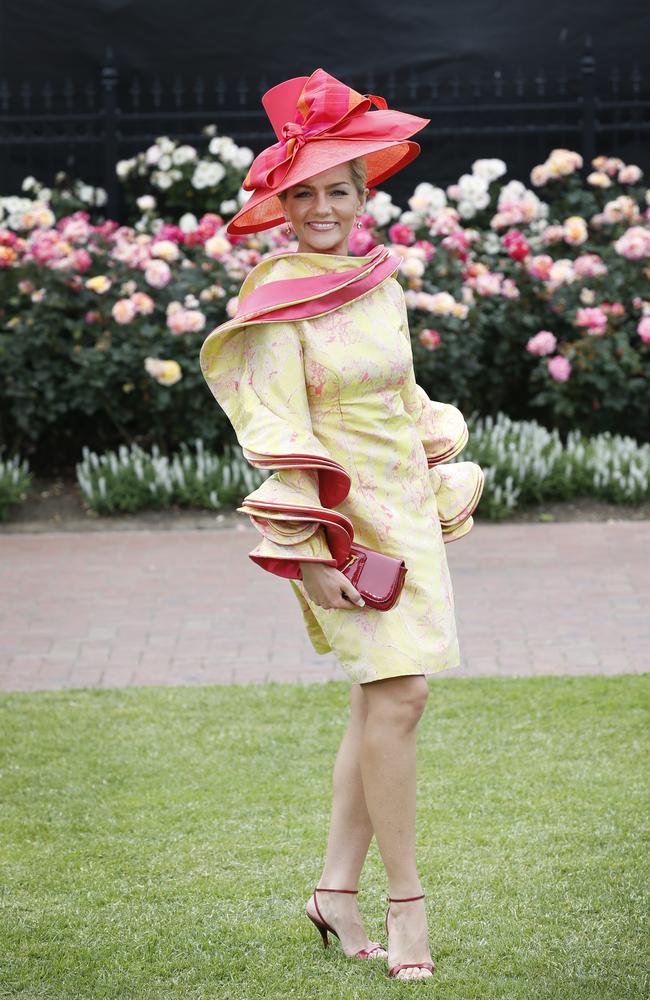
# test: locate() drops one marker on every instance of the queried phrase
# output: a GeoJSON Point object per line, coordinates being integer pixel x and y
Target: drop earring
{"type": "Point", "coordinates": [359, 224]}
{"type": "Point", "coordinates": [287, 228]}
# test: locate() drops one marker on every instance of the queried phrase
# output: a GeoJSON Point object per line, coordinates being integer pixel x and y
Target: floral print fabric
{"type": "Point", "coordinates": [342, 385]}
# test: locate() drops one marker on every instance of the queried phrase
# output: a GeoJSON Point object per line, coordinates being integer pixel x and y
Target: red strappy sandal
{"type": "Point", "coordinates": [324, 927]}
{"type": "Point", "coordinates": [431, 966]}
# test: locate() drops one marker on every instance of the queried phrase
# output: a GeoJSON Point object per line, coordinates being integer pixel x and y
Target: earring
{"type": "Point", "coordinates": [287, 228]}
{"type": "Point", "coordinates": [359, 224]}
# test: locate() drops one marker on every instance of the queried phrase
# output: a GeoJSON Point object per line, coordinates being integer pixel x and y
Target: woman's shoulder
{"type": "Point", "coordinates": [272, 268]}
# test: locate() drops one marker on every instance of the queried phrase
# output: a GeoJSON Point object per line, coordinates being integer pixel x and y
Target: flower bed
{"type": "Point", "coordinates": [523, 463]}
{"type": "Point", "coordinates": [527, 301]}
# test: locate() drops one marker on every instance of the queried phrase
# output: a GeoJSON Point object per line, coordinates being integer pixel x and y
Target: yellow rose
{"type": "Point", "coordinates": [165, 372]}
{"type": "Point", "coordinates": [100, 284]}
{"type": "Point", "coordinates": [598, 179]}
{"type": "Point", "coordinates": [575, 230]}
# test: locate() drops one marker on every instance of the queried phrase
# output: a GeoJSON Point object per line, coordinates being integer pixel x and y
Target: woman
{"type": "Point", "coordinates": [315, 373]}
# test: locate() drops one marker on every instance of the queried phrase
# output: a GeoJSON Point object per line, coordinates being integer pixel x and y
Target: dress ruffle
{"type": "Point", "coordinates": [294, 509]}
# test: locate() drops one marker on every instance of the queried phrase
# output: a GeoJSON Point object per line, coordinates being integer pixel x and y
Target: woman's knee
{"type": "Point", "coordinates": [401, 699]}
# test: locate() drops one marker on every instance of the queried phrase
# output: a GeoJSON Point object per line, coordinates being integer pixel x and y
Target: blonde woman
{"type": "Point", "coordinates": [315, 373]}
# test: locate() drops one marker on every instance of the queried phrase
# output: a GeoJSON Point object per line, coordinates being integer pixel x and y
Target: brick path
{"type": "Point", "coordinates": [108, 609]}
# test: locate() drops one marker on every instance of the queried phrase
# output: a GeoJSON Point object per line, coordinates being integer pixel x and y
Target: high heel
{"type": "Point", "coordinates": [324, 927]}
{"type": "Point", "coordinates": [392, 972]}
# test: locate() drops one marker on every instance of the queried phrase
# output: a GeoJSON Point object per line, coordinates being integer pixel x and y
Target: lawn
{"type": "Point", "coordinates": [161, 842]}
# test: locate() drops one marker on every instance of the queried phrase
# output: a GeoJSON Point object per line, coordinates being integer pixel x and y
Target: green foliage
{"type": "Point", "coordinates": [15, 481]}
{"type": "Point", "coordinates": [132, 479]}
{"type": "Point", "coordinates": [524, 463]}
{"type": "Point", "coordinates": [73, 376]}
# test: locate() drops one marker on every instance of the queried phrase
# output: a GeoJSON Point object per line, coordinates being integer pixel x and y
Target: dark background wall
{"type": "Point", "coordinates": [505, 78]}
{"type": "Point", "coordinates": [292, 37]}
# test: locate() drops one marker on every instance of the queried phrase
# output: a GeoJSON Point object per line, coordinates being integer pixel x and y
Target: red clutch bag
{"type": "Point", "coordinates": [378, 578]}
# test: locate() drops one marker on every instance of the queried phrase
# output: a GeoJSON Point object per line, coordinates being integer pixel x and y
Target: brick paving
{"type": "Point", "coordinates": [111, 609]}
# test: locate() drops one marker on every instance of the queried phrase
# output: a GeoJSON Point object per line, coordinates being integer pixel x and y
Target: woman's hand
{"type": "Point", "coordinates": [326, 586]}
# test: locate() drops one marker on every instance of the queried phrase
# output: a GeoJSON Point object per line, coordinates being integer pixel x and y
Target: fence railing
{"type": "Point", "coordinates": [84, 128]}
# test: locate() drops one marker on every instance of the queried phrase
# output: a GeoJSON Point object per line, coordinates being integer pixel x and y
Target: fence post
{"type": "Point", "coordinates": [587, 72]}
{"type": "Point", "coordinates": [109, 118]}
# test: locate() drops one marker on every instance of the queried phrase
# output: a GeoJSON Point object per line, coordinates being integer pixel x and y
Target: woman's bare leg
{"type": "Point", "coordinates": [388, 767]}
{"type": "Point", "coordinates": [349, 837]}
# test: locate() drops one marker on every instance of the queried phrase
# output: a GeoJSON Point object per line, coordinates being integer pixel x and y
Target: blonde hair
{"type": "Point", "coordinates": [358, 173]}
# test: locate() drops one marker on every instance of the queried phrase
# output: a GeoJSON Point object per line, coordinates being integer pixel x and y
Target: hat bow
{"type": "Point", "coordinates": [325, 109]}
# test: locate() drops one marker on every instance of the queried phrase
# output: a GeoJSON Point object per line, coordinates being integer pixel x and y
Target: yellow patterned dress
{"type": "Point", "coordinates": [341, 385]}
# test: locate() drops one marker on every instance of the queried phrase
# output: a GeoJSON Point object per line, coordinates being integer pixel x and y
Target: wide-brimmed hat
{"type": "Point", "coordinates": [320, 123]}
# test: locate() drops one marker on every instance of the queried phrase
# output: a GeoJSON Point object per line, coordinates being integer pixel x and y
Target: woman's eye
{"type": "Point", "coordinates": [301, 193]}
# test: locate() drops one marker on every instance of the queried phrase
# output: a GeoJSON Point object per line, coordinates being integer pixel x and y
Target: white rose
{"type": "Point", "coordinates": [165, 143]}
{"type": "Point", "coordinates": [471, 187]}
{"type": "Point", "coordinates": [228, 207]}
{"type": "Point", "coordinates": [513, 191]}
{"type": "Point", "coordinates": [165, 162]}
{"type": "Point", "coordinates": [245, 156]}
{"type": "Point", "coordinates": [222, 146]}
{"type": "Point", "coordinates": [426, 197]}
{"type": "Point", "coordinates": [152, 155]}
{"type": "Point", "coordinates": [410, 219]}
{"type": "Point", "coordinates": [188, 222]}
{"type": "Point", "coordinates": [466, 209]}
{"type": "Point", "coordinates": [489, 169]}
{"type": "Point", "coordinates": [184, 154]}
{"type": "Point", "coordinates": [124, 168]}
{"type": "Point", "coordinates": [160, 180]}
{"type": "Point", "coordinates": [146, 203]}
{"type": "Point", "coordinates": [28, 183]}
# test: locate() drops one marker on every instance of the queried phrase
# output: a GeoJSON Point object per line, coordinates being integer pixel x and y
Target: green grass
{"type": "Point", "coordinates": [162, 842]}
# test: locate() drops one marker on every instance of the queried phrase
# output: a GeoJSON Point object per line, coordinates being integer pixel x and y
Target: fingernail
{"type": "Point", "coordinates": [361, 602]}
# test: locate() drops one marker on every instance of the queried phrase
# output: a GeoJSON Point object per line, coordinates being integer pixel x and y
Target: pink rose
{"type": "Point", "coordinates": [143, 303]}
{"type": "Point", "coordinates": [123, 311]}
{"type": "Point", "coordinates": [429, 339]}
{"type": "Point", "coordinates": [157, 273]}
{"type": "Point", "coordinates": [589, 265]}
{"type": "Point", "coordinates": [593, 318]}
{"type": "Point", "coordinates": [542, 343]}
{"type": "Point", "coordinates": [427, 247]}
{"type": "Point", "coordinates": [401, 233]}
{"type": "Point", "coordinates": [559, 368]}
{"type": "Point", "coordinates": [643, 329]}
{"type": "Point", "coordinates": [515, 244]}
{"type": "Point", "coordinates": [81, 260]}
{"type": "Point", "coordinates": [361, 242]}
{"type": "Point", "coordinates": [540, 266]}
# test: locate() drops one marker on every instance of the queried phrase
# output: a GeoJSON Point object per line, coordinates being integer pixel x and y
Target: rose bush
{"type": "Point", "coordinates": [521, 301]}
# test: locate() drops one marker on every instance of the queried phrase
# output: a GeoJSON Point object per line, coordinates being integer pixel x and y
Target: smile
{"type": "Point", "coordinates": [322, 227]}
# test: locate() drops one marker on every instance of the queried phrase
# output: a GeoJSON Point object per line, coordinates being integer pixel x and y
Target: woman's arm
{"type": "Point", "coordinates": [257, 376]}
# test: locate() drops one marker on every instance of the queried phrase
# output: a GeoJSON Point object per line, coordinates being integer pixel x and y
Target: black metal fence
{"type": "Point", "coordinates": [85, 128]}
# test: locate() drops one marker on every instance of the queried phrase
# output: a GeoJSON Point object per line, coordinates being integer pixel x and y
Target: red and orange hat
{"type": "Point", "coordinates": [320, 122]}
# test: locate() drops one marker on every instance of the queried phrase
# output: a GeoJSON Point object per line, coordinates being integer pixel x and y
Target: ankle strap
{"type": "Point", "coordinates": [409, 899]}
{"type": "Point", "coordinates": [320, 889]}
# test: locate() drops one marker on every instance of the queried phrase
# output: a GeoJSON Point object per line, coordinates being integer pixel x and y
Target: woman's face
{"type": "Point", "coordinates": [323, 209]}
